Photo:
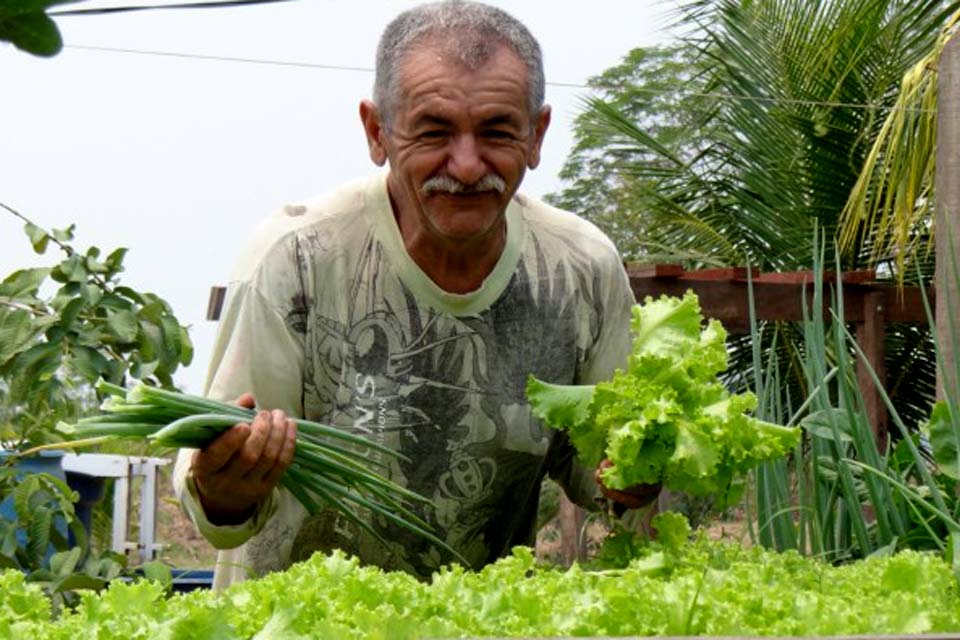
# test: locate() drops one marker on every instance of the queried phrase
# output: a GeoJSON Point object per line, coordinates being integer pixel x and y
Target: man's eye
{"type": "Point", "coordinates": [432, 134]}
{"type": "Point", "coordinates": [499, 134]}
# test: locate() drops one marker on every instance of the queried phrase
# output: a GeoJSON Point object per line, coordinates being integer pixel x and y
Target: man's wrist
{"type": "Point", "coordinates": [219, 516]}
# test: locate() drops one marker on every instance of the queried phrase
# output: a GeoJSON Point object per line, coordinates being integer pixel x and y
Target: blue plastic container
{"type": "Point", "coordinates": [185, 580]}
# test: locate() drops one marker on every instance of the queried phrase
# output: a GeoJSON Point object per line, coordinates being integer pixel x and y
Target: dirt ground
{"type": "Point", "coordinates": [186, 549]}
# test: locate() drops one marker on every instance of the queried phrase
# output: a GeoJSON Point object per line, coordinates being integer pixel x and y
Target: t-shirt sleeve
{"type": "Point", "coordinates": [611, 349]}
{"type": "Point", "coordinates": [257, 352]}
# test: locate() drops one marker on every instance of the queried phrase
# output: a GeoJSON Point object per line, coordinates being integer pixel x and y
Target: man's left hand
{"type": "Point", "coordinates": [635, 497]}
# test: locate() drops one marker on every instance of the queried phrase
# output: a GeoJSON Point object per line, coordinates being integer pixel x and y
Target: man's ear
{"type": "Point", "coordinates": [375, 131]}
{"type": "Point", "coordinates": [540, 126]}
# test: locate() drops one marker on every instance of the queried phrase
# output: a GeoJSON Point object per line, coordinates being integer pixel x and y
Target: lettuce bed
{"type": "Point", "coordinates": [702, 588]}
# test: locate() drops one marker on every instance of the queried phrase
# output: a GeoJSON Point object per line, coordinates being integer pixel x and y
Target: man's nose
{"type": "Point", "coordinates": [466, 162]}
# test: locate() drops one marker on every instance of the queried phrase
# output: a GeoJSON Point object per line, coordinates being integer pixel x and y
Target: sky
{"type": "Point", "coordinates": [178, 158]}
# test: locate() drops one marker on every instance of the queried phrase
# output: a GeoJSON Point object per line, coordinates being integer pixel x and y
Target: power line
{"type": "Point", "coordinates": [566, 85]}
{"type": "Point", "coordinates": [214, 4]}
{"type": "Point", "coordinates": [200, 56]}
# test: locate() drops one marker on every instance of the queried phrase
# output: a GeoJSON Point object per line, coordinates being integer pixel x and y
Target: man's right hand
{"type": "Point", "coordinates": [239, 469]}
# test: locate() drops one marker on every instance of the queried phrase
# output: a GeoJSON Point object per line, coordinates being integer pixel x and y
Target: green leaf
{"type": "Point", "coordinates": [92, 264]}
{"type": "Point", "coordinates": [91, 294]}
{"type": "Point", "coordinates": [64, 235]}
{"type": "Point", "coordinates": [172, 347]}
{"type": "Point", "coordinates": [77, 581]}
{"type": "Point", "coordinates": [153, 310]}
{"type": "Point", "coordinates": [886, 550]}
{"type": "Point", "coordinates": [150, 341]}
{"type": "Point", "coordinates": [89, 363]}
{"type": "Point", "coordinates": [64, 563]}
{"type": "Point", "coordinates": [945, 440]}
{"type": "Point", "coordinates": [821, 424]}
{"type": "Point", "coordinates": [40, 575]}
{"type": "Point", "coordinates": [17, 331]}
{"type": "Point", "coordinates": [114, 301]}
{"type": "Point", "coordinates": [21, 496]}
{"type": "Point", "coordinates": [92, 336]}
{"type": "Point", "coordinates": [70, 270]}
{"type": "Point", "coordinates": [34, 33]}
{"type": "Point", "coordinates": [59, 491]}
{"type": "Point", "coordinates": [560, 406]}
{"type": "Point", "coordinates": [24, 282]}
{"type": "Point", "coordinates": [114, 261]}
{"type": "Point", "coordinates": [123, 325]}
{"type": "Point", "coordinates": [952, 555]}
{"type": "Point", "coordinates": [143, 370]}
{"type": "Point", "coordinates": [129, 293]}
{"type": "Point", "coordinates": [8, 540]}
{"type": "Point", "coordinates": [38, 237]}
{"type": "Point", "coordinates": [108, 566]}
{"type": "Point", "coordinates": [158, 572]}
{"type": "Point", "coordinates": [44, 356]}
{"type": "Point", "coordinates": [38, 534]}
{"type": "Point", "coordinates": [68, 315]}
{"type": "Point", "coordinates": [186, 353]}
{"type": "Point", "coordinates": [673, 530]}
{"type": "Point", "coordinates": [80, 536]}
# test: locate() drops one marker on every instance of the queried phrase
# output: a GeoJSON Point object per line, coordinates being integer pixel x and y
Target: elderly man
{"type": "Point", "coordinates": [411, 308]}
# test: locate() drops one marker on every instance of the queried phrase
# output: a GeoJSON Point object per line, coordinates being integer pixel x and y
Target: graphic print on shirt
{"type": "Point", "coordinates": [448, 393]}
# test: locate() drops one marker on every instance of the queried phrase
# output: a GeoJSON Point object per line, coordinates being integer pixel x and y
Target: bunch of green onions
{"type": "Point", "coordinates": [328, 463]}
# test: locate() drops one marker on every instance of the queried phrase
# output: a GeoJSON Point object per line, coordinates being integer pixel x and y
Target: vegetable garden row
{"type": "Point", "coordinates": [673, 588]}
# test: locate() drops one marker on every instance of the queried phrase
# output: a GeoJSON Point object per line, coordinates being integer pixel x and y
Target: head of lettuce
{"type": "Point", "coordinates": [667, 419]}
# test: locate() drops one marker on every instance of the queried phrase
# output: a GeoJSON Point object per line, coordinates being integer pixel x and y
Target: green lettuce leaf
{"type": "Point", "coordinates": [666, 419]}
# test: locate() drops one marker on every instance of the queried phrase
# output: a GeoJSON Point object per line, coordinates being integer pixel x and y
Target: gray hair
{"type": "Point", "coordinates": [471, 32]}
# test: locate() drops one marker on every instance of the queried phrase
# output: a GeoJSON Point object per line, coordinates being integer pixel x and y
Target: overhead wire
{"type": "Point", "coordinates": [213, 4]}
{"type": "Point", "coordinates": [566, 85]}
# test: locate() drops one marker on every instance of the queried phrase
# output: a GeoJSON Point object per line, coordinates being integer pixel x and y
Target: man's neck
{"type": "Point", "coordinates": [454, 267]}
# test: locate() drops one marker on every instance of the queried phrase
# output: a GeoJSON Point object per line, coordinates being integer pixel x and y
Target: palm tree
{"type": "Point", "coordinates": [787, 99]}
{"type": "Point", "coordinates": [893, 198]}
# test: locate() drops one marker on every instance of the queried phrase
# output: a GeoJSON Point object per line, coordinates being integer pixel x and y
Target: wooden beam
{"type": "Point", "coordinates": [727, 301]}
{"type": "Point", "coordinates": [947, 189]}
{"type": "Point", "coordinates": [215, 303]}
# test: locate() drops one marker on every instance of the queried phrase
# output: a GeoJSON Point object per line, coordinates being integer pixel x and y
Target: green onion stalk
{"type": "Point", "coordinates": [328, 463]}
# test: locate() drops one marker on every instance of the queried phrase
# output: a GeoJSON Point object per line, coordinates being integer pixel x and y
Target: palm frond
{"type": "Point", "coordinates": [892, 200]}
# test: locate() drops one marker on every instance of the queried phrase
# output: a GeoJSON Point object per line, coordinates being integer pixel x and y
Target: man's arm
{"type": "Point", "coordinates": [228, 489]}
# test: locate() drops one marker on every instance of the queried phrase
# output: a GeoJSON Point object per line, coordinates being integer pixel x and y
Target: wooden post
{"type": "Point", "coordinates": [215, 304]}
{"type": "Point", "coordinates": [947, 280]}
{"type": "Point", "coordinates": [870, 337]}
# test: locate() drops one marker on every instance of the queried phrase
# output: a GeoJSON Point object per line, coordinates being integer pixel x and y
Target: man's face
{"type": "Point", "coordinates": [458, 144]}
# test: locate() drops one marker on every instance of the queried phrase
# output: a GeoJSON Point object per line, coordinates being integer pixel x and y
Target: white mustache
{"type": "Point", "coordinates": [489, 182]}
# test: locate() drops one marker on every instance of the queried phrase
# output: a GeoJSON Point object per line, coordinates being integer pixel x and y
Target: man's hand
{"type": "Point", "coordinates": [243, 465]}
{"type": "Point", "coordinates": [635, 497]}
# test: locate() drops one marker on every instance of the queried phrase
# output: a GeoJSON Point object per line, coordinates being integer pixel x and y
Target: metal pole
{"type": "Point", "coordinates": [947, 279]}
